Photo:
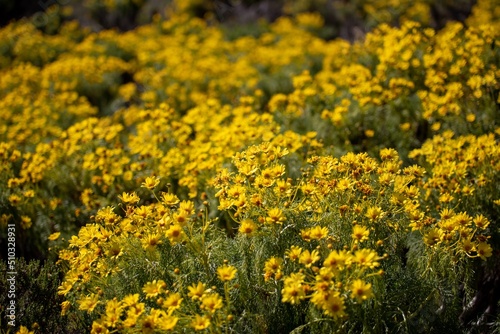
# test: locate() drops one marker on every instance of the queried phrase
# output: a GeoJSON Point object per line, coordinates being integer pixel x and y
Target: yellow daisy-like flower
{"type": "Point", "coordinates": [98, 327]}
{"type": "Point", "coordinates": [318, 232]}
{"type": "Point", "coordinates": [361, 290]}
{"type": "Point", "coordinates": [89, 303]}
{"type": "Point", "coordinates": [275, 216]}
{"type": "Point", "coordinates": [308, 258]}
{"type": "Point", "coordinates": [151, 241]}
{"type": "Point", "coordinates": [211, 302]}
{"type": "Point", "coordinates": [169, 199]}
{"type": "Point", "coordinates": [433, 237]}
{"type": "Point", "coordinates": [174, 233]}
{"type": "Point", "coordinates": [481, 221]}
{"type": "Point", "coordinates": [293, 293]}
{"type": "Point", "coordinates": [484, 250]}
{"type": "Point", "coordinates": [273, 265]}
{"type": "Point", "coordinates": [374, 213]}
{"type": "Point", "coordinates": [130, 198]}
{"type": "Point", "coordinates": [172, 302]}
{"type": "Point", "coordinates": [226, 273]}
{"type": "Point", "coordinates": [151, 182]}
{"type": "Point", "coordinates": [200, 322]}
{"type": "Point", "coordinates": [54, 236]}
{"type": "Point", "coordinates": [167, 322]}
{"type": "Point", "coordinates": [247, 227]}
{"type": "Point", "coordinates": [366, 258]}
{"type": "Point", "coordinates": [130, 300]}
{"type": "Point", "coordinates": [334, 306]}
{"type": "Point", "coordinates": [294, 253]}
{"type": "Point", "coordinates": [196, 291]}
{"type": "Point", "coordinates": [24, 330]}
{"type": "Point", "coordinates": [360, 233]}
{"type": "Point", "coordinates": [336, 260]}
{"type": "Point", "coordinates": [153, 289]}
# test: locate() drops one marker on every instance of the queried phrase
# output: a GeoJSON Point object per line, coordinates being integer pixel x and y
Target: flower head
{"type": "Point", "coordinates": [226, 273]}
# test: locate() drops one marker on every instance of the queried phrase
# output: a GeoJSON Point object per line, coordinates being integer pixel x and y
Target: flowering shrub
{"type": "Point", "coordinates": [186, 180]}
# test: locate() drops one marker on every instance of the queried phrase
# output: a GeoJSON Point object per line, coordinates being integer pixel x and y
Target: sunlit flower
{"type": "Point", "coordinates": [154, 288]}
{"type": "Point", "coordinates": [360, 233]}
{"type": "Point", "coordinates": [361, 290]}
{"type": "Point", "coordinates": [275, 216]}
{"type": "Point", "coordinates": [247, 227]}
{"type": "Point", "coordinates": [200, 322]}
{"type": "Point", "coordinates": [131, 198]}
{"type": "Point", "coordinates": [309, 258]}
{"type": "Point", "coordinates": [88, 303]}
{"type": "Point", "coordinates": [196, 290]}
{"type": "Point", "coordinates": [226, 273]}
{"type": "Point", "coordinates": [151, 182]}
{"type": "Point", "coordinates": [211, 302]}
{"type": "Point", "coordinates": [294, 252]}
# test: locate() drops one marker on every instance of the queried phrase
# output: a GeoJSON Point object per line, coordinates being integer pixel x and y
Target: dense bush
{"type": "Point", "coordinates": [185, 176]}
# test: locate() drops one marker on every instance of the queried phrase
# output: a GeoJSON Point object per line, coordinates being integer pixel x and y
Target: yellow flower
{"type": "Point", "coordinates": [167, 322]}
{"type": "Point", "coordinates": [433, 236]}
{"type": "Point", "coordinates": [169, 199]}
{"type": "Point", "coordinates": [481, 221]}
{"type": "Point", "coordinates": [366, 258]}
{"type": "Point", "coordinates": [130, 300]}
{"type": "Point", "coordinates": [294, 253]}
{"type": "Point", "coordinates": [200, 322]}
{"type": "Point", "coordinates": [273, 264]}
{"type": "Point", "coordinates": [151, 182]}
{"type": "Point", "coordinates": [64, 288]}
{"type": "Point", "coordinates": [226, 273]}
{"type": "Point", "coordinates": [360, 233]}
{"type": "Point", "coordinates": [153, 289]}
{"type": "Point", "coordinates": [369, 133]}
{"type": "Point", "coordinates": [334, 306]}
{"type": "Point", "coordinates": [151, 241]}
{"type": "Point", "coordinates": [470, 118]}
{"type": "Point", "coordinates": [211, 302]}
{"type": "Point", "coordinates": [247, 226]}
{"type": "Point", "coordinates": [54, 236]}
{"type": "Point", "coordinates": [113, 312]}
{"type": "Point", "coordinates": [25, 222]}
{"type": "Point", "coordinates": [374, 213]}
{"type": "Point", "coordinates": [24, 330]}
{"type": "Point", "coordinates": [196, 291]}
{"type": "Point", "coordinates": [115, 250]}
{"type": "Point", "coordinates": [484, 250]}
{"type": "Point", "coordinates": [308, 258]}
{"type": "Point", "coordinates": [361, 290]}
{"type": "Point", "coordinates": [88, 303]}
{"type": "Point", "coordinates": [14, 199]}
{"type": "Point", "coordinates": [150, 323]}
{"type": "Point", "coordinates": [275, 216]}
{"type": "Point", "coordinates": [131, 198]}
{"type": "Point", "coordinates": [336, 260]}
{"type": "Point", "coordinates": [172, 302]}
{"type": "Point", "coordinates": [318, 232]}
{"type": "Point", "coordinates": [468, 246]}
{"type": "Point", "coordinates": [98, 328]}
{"type": "Point", "coordinates": [292, 293]}
{"type": "Point", "coordinates": [174, 233]}
{"type": "Point", "coordinates": [65, 306]}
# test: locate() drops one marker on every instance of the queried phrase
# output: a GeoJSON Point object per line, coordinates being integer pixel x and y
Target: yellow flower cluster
{"type": "Point", "coordinates": [207, 181]}
{"type": "Point", "coordinates": [463, 172]}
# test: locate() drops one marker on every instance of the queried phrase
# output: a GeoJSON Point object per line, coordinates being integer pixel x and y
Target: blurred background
{"type": "Point", "coordinates": [348, 19]}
